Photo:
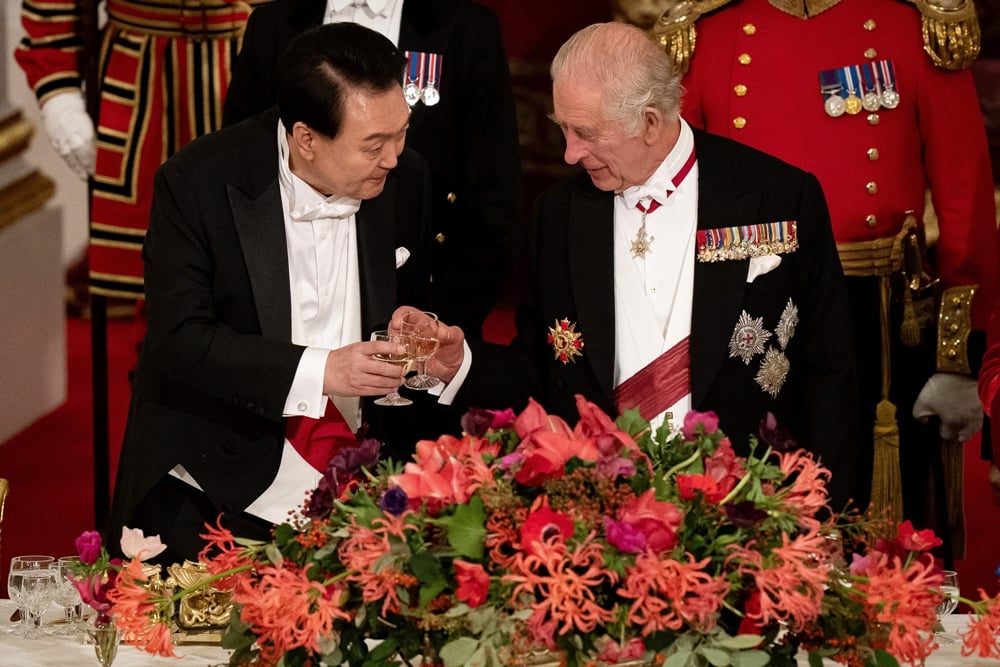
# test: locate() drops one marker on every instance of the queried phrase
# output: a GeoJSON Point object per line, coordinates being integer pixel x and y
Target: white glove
{"type": "Point", "coordinates": [955, 401]}
{"type": "Point", "coordinates": [71, 131]}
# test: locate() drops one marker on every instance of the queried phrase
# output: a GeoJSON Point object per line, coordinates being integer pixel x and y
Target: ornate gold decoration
{"type": "Point", "coordinates": [24, 195]}
{"type": "Point", "coordinates": [803, 8]}
{"type": "Point", "coordinates": [565, 341]}
{"type": "Point", "coordinates": [951, 32]}
{"type": "Point", "coordinates": [204, 608]}
{"type": "Point", "coordinates": [15, 135]}
{"type": "Point", "coordinates": [954, 325]}
{"type": "Point", "coordinates": [675, 32]}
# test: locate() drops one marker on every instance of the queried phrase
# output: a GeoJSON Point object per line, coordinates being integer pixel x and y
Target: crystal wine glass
{"type": "Point", "coordinates": [68, 597]}
{"type": "Point", "coordinates": [403, 361]}
{"type": "Point", "coordinates": [37, 588]}
{"type": "Point", "coordinates": [15, 584]}
{"type": "Point", "coordinates": [949, 586]}
{"type": "Point", "coordinates": [421, 327]}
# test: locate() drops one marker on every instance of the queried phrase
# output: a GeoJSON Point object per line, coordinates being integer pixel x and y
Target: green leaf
{"type": "Point", "coordinates": [815, 659]}
{"type": "Point", "coordinates": [883, 659]}
{"type": "Point", "coordinates": [467, 528]}
{"type": "Point", "coordinates": [715, 657]}
{"type": "Point", "coordinates": [426, 567]}
{"type": "Point", "coordinates": [750, 659]}
{"type": "Point", "coordinates": [678, 659]}
{"type": "Point", "coordinates": [457, 653]}
{"type": "Point", "coordinates": [739, 642]}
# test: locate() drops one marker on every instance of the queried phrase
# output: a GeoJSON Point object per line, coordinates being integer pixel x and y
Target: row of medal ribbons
{"type": "Point", "coordinates": [869, 86]}
{"type": "Point", "coordinates": [423, 78]}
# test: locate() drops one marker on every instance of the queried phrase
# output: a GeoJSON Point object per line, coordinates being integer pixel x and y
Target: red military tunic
{"type": "Point", "coordinates": [754, 76]}
{"type": "Point", "coordinates": [164, 72]}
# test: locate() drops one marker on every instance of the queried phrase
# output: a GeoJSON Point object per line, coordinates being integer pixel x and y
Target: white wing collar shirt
{"type": "Point", "coordinates": [325, 289]}
{"type": "Point", "coordinates": [654, 292]}
{"type": "Point", "coordinates": [382, 16]}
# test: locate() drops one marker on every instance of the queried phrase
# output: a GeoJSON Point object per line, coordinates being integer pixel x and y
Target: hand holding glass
{"type": "Point", "coordinates": [421, 327]}
{"type": "Point", "coordinates": [403, 361]}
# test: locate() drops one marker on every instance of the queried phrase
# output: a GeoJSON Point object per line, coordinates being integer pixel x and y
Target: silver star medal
{"type": "Point", "coordinates": [773, 372]}
{"type": "Point", "coordinates": [787, 323]}
{"type": "Point", "coordinates": [748, 338]}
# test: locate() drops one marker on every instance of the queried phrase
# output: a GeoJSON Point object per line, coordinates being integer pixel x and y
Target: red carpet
{"type": "Point", "coordinates": [49, 466]}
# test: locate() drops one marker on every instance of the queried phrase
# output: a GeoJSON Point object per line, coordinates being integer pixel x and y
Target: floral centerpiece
{"type": "Point", "coordinates": [527, 539]}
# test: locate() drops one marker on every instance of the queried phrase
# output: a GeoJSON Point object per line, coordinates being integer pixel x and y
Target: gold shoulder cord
{"type": "Point", "coordinates": [951, 32]}
{"type": "Point", "coordinates": [675, 32]}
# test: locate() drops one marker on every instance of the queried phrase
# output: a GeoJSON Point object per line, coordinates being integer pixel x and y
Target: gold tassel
{"type": "Point", "coordinates": [887, 483]}
{"type": "Point", "coordinates": [909, 330]}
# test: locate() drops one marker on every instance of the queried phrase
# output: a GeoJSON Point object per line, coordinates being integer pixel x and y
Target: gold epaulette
{"type": "Point", "coordinates": [954, 326]}
{"type": "Point", "coordinates": [951, 32]}
{"type": "Point", "coordinates": [675, 31]}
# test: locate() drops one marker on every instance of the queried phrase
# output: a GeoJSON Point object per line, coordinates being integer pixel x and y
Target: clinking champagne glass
{"type": "Point", "coordinates": [421, 326]}
{"type": "Point", "coordinates": [15, 584]}
{"type": "Point", "coordinates": [949, 586]}
{"type": "Point", "coordinates": [403, 361]}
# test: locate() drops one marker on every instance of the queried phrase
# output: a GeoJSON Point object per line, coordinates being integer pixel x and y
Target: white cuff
{"type": "Point", "coordinates": [446, 391]}
{"type": "Point", "coordinates": [305, 398]}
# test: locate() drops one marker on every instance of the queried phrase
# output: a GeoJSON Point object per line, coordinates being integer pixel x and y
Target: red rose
{"type": "Point", "coordinates": [656, 519]}
{"type": "Point", "coordinates": [473, 583]}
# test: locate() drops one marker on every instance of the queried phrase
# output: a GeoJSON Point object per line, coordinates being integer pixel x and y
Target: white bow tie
{"type": "Point", "coordinates": [377, 6]}
{"type": "Point", "coordinates": [337, 209]}
{"type": "Point", "coordinates": [638, 193]}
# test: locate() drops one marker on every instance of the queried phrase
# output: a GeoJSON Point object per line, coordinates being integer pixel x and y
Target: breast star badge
{"type": "Point", "coordinates": [565, 341]}
{"type": "Point", "coordinates": [748, 338]}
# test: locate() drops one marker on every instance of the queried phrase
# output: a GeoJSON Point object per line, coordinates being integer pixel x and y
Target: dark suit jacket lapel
{"type": "Point", "coordinates": [376, 259]}
{"type": "Point", "coordinates": [719, 287]}
{"type": "Point", "coordinates": [591, 271]}
{"type": "Point", "coordinates": [422, 28]}
{"type": "Point", "coordinates": [257, 216]}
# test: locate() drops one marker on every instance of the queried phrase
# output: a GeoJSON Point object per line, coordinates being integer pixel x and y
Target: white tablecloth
{"type": "Point", "coordinates": [60, 651]}
{"type": "Point", "coordinates": [57, 651]}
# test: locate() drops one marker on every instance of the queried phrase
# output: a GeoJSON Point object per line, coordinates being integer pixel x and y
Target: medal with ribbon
{"type": "Point", "coordinates": [423, 78]}
{"type": "Point", "coordinates": [411, 90]}
{"type": "Point", "coordinates": [831, 87]}
{"type": "Point", "coordinates": [766, 238]}
{"type": "Point", "coordinates": [890, 96]}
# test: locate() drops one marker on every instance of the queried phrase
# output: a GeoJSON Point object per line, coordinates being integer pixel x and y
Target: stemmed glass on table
{"type": "Point", "coordinates": [31, 584]}
{"type": "Point", "coordinates": [15, 579]}
{"type": "Point", "coordinates": [403, 360]}
{"type": "Point", "coordinates": [421, 327]}
{"type": "Point", "coordinates": [68, 597]}
{"type": "Point", "coordinates": [949, 586]}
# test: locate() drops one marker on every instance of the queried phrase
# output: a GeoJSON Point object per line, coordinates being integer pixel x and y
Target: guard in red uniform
{"type": "Point", "coordinates": [872, 96]}
{"type": "Point", "coordinates": [164, 71]}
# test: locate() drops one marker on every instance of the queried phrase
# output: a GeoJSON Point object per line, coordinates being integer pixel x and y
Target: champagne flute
{"type": "Point", "coordinates": [403, 361]}
{"type": "Point", "coordinates": [421, 326]}
{"type": "Point", "coordinates": [68, 597]}
{"type": "Point", "coordinates": [15, 584]}
{"type": "Point", "coordinates": [949, 586]}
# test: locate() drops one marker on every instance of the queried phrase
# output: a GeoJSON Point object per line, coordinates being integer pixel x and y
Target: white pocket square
{"type": "Point", "coordinates": [761, 265]}
{"type": "Point", "coordinates": [402, 254]}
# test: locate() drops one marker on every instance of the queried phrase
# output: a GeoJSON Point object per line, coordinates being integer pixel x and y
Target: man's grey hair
{"type": "Point", "coordinates": [632, 71]}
